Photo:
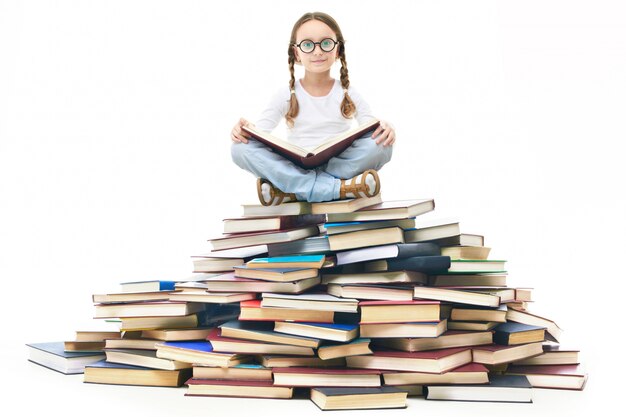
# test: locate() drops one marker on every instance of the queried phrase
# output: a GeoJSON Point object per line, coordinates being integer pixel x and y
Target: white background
{"type": "Point", "coordinates": [115, 162]}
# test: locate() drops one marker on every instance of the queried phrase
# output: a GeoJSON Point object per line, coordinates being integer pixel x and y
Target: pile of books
{"type": "Point", "coordinates": [355, 304]}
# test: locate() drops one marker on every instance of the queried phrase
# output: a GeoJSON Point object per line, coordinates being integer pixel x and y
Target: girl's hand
{"type": "Point", "coordinates": [385, 133]}
{"type": "Point", "coordinates": [237, 135]}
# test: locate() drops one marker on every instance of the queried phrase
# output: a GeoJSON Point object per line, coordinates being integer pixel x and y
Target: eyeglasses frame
{"type": "Point", "coordinates": [316, 43]}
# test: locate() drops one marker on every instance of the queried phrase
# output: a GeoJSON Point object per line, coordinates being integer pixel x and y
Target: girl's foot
{"type": "Point", "coordinates": [366, 184]}
{"type": "Point", "coordinates": [270, 195]}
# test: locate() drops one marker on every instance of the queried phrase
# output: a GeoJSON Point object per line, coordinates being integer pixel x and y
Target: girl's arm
{"type": "Point", "coordinates": [271, 116]}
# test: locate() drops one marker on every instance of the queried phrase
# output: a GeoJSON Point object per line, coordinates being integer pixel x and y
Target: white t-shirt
{"type": "Point", "coordinates": [319, 118]}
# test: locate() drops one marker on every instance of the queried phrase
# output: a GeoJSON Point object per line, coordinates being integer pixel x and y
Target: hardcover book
{"type": "Point", "coordinates": [315, 157]}
{"type": "Point", "coordinates": [119, 374]}
{"type": "Point", "coordinates": [388, 210]}
{"type": "Point", "coordinates": [501, 388]}
{"type": "Point", "coordinates": [52, 355]}
{"type": "Point", "coordinates": [358, 398]}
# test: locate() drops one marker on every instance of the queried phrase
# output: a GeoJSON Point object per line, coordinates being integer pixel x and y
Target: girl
{"type": "Point", "coordinates": [315, 108]}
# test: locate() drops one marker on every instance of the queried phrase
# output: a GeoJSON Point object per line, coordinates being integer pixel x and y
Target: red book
{"type": "Point", "coordinates": [498, 354]}
{"type": "Point", "coordinates": [434, 361]}
{"type": "Point", "coordinates": [314, 157]}
{"type": "Point", "coordinates": [232, 345]}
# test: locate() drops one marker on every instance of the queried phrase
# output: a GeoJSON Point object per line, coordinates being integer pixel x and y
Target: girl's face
{"type": "Point", "coordinates": [317, 61]}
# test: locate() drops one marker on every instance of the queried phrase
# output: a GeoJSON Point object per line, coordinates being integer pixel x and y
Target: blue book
{"type": "Point", "coordinates": [148, 286]}
{"type": "Point", "coordinates": [192, 345]}
{"type": "Point", "coordinates": [296, 261]}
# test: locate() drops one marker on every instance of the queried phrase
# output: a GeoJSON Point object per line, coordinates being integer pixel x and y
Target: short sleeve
{"type": "Point", "coordinates": [363, 111]}
{"type": "Point", "coordinates": [275, 110]}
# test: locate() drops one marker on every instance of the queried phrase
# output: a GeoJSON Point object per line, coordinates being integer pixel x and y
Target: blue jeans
{"type": "Point", "coordinates": [319, 184]}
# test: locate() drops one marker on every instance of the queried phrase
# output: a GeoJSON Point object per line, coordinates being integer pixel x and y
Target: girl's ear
{"type": "Point", "coordinates": [296, 55]}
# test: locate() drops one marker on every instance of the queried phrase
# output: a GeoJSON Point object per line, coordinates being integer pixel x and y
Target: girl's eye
{"type": "Point", "coordinates": [326, 43]}
{"type": "Point", "coordinates": [307, 45]}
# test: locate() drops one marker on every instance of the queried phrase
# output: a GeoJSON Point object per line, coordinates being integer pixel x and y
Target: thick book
{"type": "Point", "coordinates": [344, 206]}
{"type": "Point", "coordinates": [434, 361]}
{"type": "Point", "coordinates": [325, 331]}
{"type": "Point", "coordinates": [462, 313]}
{"type": "Point", "coordinates": [255, 347]}
{"type": "Point", "coordinates": [383, 277]}
{"type": "Point", "coordinates": [252, 310]}
{"type": "Point", "coordinates": [259, 224]}
{"type": "Point", "coordinates": [147, 286]}
{"type": "Point", "coordinates": [239, 240]}
{"type": "Point", "coordinates": [553, 354]}
{"type": "Point", "coordinates": [52, 355]}
{"type": "Point", "coordinates": [130, 297]}
{"type": "Point", "coordinates": [455, 296]}
{"type": "Point", "coordinates": [388, 210]}
{"type": "Point", "coordinates": [553, 332]}
{"type": "Point", "coordinates": [470, 280]}
{"type": "Point", "coordinates": [326, 377]}
{"type": "Point", "coordinates": [448, 339]}
{"type": "Point", "coordinates": [286, 361]}
{"type": "Point", "coordinates": [177, 335]}
{"type": "Point", "coordinates": [278, 274]}
{"type": "Point", "coordinates": [264, 332]}
{"type": "Point", "coordinates": [295, 261]}
{"type": "Point", "coordinates": [363, 238]}
{"type": "Point", "coordinates": [120, 374]}
{"type": "Point", "coordinates": [425, 264]}
{"type": "Point", "coordinates": [571, 377]}
{"type": "Point", "coordinates": [499, 354]}
{"type": "Point", "coordinates": [310, 301]}
{"type": "Point", "coordinates": [398, 250]}
{"type": "Point", "coordinates": [332, 350]}
{"type": "Point", "coordinates": [441, 230]}
{"type": "Point", "coordinates": [512, 333]}
{"type": "Point", "coordinates": [149, 309]}
{"type": "Point", "coordinates": [400, 311]}
{"type": "Point", "coordinates": [294, 208]}
{"type": "Point", "coordinates": [343, 227]}
{"type": "Point", "coordinates": [310, 245]}
{"type": "Point", "coordinates": [501, 388]}
{"type": "Point", "coordinates": [198, 352]}
{"type": "Point", "coordinates": [464, 266]}
{"type": "Point", "coordinates": [249, 371]}
{"type": "Point", "coordinates": [466, 252]}
{"type": "Point", "coordinates": [321, 154]}
{"type": "Point", "coordinates": [230, 283]}
{"type": "Point", "coordinates": [372, 292]}
{"type": "Point", "coordinates": [395, 330]}
{"type": "Point", "coordinates": [473, 373]}
{"type": "Point", "coordinates": [145, 358]}
{"type": "Point", "coordinates": [367, 398]}
{"type": "Point", "coordinates": [236, 388]}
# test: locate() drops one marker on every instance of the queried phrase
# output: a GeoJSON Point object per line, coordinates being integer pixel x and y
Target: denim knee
{"type": "Point", "coordinates": [239, 154]}
{"type": "Point", "coordinates": [377, 155]}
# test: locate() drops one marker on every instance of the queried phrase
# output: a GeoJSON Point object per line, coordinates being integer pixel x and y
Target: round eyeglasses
{"type": "Point", "coordinates": [326, 45]}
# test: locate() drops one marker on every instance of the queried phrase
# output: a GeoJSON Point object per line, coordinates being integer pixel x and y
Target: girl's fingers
{"type": "Point", "coordinates": [377, 132]}
{"type": "Point", "coordinates": [391, 139]}
{"type": "Point", "coordinates": [383, 137]}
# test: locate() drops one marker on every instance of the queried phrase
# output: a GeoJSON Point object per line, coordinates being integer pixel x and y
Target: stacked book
{"type": "Point", "coordinates": [355, 303]}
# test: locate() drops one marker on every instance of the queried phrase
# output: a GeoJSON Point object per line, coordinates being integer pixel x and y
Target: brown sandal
{"type": "Point", "coordinates": [357, 186]}
{"type": "Point", "coordinates": [276, 196]}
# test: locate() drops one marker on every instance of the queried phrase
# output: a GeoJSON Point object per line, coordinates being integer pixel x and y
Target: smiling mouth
{"type": "Point", "coordinates": [318, 62]}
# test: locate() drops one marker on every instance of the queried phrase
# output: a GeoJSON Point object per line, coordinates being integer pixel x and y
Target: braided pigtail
{"type": "Point", "coordinates": [348, 107]}
{"type": "Point", "coordinates": [293, 101]}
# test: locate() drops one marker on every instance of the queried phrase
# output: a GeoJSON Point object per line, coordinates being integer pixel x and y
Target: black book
{"type": "Point", "coordinates": [501, 388]}
{"type": "Point", "coordinates": [425, 264]}
{"type": "Point", "coordinates": [511, 333]}
{"type": "Point", "coordinates": [397, 250]}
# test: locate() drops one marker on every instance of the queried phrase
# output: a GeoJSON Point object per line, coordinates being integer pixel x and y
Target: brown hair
{"type": "Point", "coordinates": [347, 105]}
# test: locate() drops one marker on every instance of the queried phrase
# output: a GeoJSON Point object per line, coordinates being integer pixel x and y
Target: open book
{"type": "Point", "coordinates": [315, 157]}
